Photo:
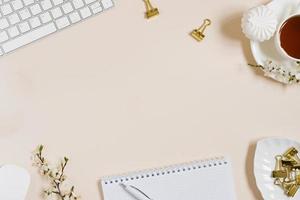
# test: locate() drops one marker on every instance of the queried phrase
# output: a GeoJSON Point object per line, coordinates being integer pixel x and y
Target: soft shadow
{"type": "Point", "coordinates": [231, 28]}
{"type": "Point", "coordinates": [99, 185]}
{"type": "Point", "coordinates": [250, 171]}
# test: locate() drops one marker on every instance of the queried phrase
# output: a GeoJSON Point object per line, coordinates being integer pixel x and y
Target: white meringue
{"type": "Point", "coordinates": [259, 23]}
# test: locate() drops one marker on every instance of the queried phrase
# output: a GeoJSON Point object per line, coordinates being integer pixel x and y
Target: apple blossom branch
{"type": "Point", "coordinates": [58, 189]}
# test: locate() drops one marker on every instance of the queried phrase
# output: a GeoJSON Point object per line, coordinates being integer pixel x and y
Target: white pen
{"type": "Point", "coordinates": [135, 192]}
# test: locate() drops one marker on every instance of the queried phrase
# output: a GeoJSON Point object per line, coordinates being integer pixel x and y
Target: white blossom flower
{"type": "Point", "coordinates": [60, 188]}
{"type": "Point", "coordinates": [65, 187]}
{"type": "Point", "coordinates": [280, 73]}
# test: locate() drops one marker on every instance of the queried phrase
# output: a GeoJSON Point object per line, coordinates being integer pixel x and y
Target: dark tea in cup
{"type": "Point", "coordinates": [290, 36]}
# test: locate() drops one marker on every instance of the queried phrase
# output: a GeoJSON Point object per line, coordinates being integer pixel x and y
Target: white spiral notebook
{"type": "Point", "coordinates": [210, 179]}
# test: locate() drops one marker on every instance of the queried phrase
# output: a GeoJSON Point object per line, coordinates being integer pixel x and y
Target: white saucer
{"type": "Point", "coordinates": [266, 51]}
{"type": "Point", "coordinates": [264, 164]}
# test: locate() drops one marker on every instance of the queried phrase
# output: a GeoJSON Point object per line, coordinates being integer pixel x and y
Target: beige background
{"type": "Point", "coordinates": [119, 93]}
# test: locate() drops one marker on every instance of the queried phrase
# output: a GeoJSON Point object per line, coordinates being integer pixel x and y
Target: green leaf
{"type": "Point", "coordinates": [41, 147]}
{"type": "Point", "coordinates": [66, 159]}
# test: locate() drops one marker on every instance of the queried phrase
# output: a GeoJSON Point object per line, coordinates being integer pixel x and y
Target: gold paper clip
{"type": "Point", "coordinates": [198, 34]}
{"type": "Point", "coordinates": [289, 174]}
{"type": "Point", "coordinates": [297, 166]}
{"type": "Point", "coordinates": [150, 10]}
{"type": "Point", "coordinates": [277, 181]}
{"type": "Point", "coordinates": [290, 189]}
{"type": "Point", "coordinates": [298, 179]}
{"type": "Point", "coordinates": [287, 187]}
{"type": "Point", "coordinates": [291, 154]}
{"type": "Point", "coordinates": [287, 163]}
{"type": "Point", "coordinates": [279, 171]}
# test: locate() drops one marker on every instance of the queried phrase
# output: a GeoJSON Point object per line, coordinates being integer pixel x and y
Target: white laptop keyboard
{"type": "Point", "coordinates": [24, 21]}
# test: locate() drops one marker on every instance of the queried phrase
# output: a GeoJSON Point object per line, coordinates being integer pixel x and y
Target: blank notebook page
{"type": "Point", "coordinates": [201, 180]}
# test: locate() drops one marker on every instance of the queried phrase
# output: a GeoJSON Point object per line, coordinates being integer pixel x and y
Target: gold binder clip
{"type": "Point", "coordinates": [278, 182]}
{"type": "Point", "coordinates": [290, 188]}
{"type": "Point", "coordinates": [198, 34]}
{"type": "Point", "coordinates": [289, 174]}
{"type": "Point", "coordinates": [279, 171]}
{"type": "Point", "coordinates": [150, 10]}
{"type": "Point", "coordinates": [298, 179]}
{"type": "Point", "coordinates": [287, 163]}
{"type": "Point", "coordinates": [291, 154]}
{"type": "Point", "coordinates": [297, 166]}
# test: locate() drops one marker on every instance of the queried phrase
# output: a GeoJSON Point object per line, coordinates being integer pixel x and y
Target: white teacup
{"type": "Point", "coordinates": [278, 41]}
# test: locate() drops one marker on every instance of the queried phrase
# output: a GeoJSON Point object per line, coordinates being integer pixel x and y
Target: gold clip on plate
{"type": "Point", "coordinates": [279, 171]}
{"type": "Point", "coordinates": [287, 172]}
{"type": "Point", "coordinates": [289, 188]}
{"type": "Point", "coordinates": [278, 182]}
{"type": "Point", "coordinates": [297, 166]}
{"type": "Point", "coordinates": [291, 154]}
{"type": "Point", "coordinates": [293, 190]}
{"type": "Point", "coordinates": [287, 163]}
{"type": "Point", "coordinates": [298, 179]}
{"type": "Point", "coordinates": [150, 11]}
{"type": "Point", "coordinates": [198, 34]}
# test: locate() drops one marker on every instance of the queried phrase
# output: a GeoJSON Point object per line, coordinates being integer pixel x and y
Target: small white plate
{"type": "Point", "coordinates": [266, 51]}
{"type": "Point", "coordinates": [264, 164]}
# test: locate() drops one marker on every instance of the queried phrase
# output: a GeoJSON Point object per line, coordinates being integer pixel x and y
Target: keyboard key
{"type": "Point", "coordinates": [85, 12]}
{"type": "Point", "coordinates": [56, 12]}
{"type": "Point", "coordinates": [35, 9]}
{"type": "Point", "coordinates": [25, 14]}
{"type": "Point", "coordinates": [6, 9]}
{"type": "Point", "coordinates": [57, 2]}
{"type": "Point", "coordinates": [74, 17]}
{"type": "Point", "coordinates": [17, 4]}
{"type": "Point", "coordinates": [45, 17]}
{"type": "Point", "coordinates": [107, 4]}
{"type": "Point", "coordinates": [35, 22]}
{"type": "Point", "coordinates": [13, 31]}
{"type": "Point", "coordinates": [78, 3]}
{"type": "Point", "coordinates": [89, 1]}
{"type": "Point", "coordinates": [62, 22]}
{"type": "Point", "coordinates": [28, 2]}
{"type": "Point", "coordinates": [3, 23]}
{"type": "Point", "coordinates": [13, 19]}
{"type": "Point", "coordinates": [67, 8]}
{"type": "Point", "coordinates": [24, 27]}
{"type": "Point", "coordinates": [96, 7]}
{"type": "Point", "coordinates": [28, 37]}
{"type": "Point", "coordinates": [24, 21]}
{"type": "Point", "coordinates": [46, 4]}
{"type": "Point", "coordinates": [3, 36]}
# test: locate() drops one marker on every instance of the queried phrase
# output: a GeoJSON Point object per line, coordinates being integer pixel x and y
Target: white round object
{"type": "Point", "coordinates": [259, 24]}
{"type": "Point", "coordinates": [264, 164]}
{"type": "Point", "coordinates": [14, 182]}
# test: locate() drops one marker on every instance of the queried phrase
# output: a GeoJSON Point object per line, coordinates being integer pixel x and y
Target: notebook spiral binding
{"type": "Point", "coordinates": [164, 171]}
